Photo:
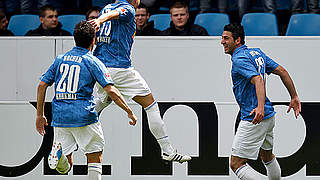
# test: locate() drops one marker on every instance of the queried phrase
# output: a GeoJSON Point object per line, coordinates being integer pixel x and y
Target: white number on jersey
{"type": "Point", "coordinates": [73, 78]}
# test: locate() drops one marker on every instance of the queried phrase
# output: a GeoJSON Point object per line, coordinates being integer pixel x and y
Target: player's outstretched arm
{"type": "Point", "coordinates": [115, 95]}
{"type": "Point", "coordinates": [96, 23]}
{"type": "Point", "coordinates": [288, 83]}
{"type": "Point", "coordinates": [41, 120]}
{"type": "Point", "coordinates": [261, 97]}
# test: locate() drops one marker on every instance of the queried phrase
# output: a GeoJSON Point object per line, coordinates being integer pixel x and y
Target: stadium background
{"type": "Point", "coordinates": [190, 76]}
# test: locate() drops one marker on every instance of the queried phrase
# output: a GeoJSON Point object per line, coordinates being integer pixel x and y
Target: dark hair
{"type": "Point", "coordinates": [83, 34]}
{"type": "Point", "coordinates": [178, 4]}
{"type": "Point", "coordinates": [2, 14]}
{"type": "Point", "coordinates": [94, 8]}
{"type": "Point", "coordinates": [236, 30]}
{"type": "Point", "coordinates": [142, 6]}
{"type": "Point", "coordinates": [43, 9]}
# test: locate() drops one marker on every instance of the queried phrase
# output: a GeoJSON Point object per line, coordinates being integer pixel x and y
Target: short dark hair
{"type": "Point", "coordinates": [94, 8]}
{"type": "Point", "coordinates": [83, 34]}
{"type": "Point", "coordinates": [179, 4]}
{"type": "Point", "coordinates": [43, 9]}
{"type": "Point", "coordinates": [143, 6]}
{"type": "Point", "coordinates": [236, 30]}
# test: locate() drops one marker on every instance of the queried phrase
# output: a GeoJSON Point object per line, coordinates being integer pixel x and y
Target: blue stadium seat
{"type": "Point", "coordinates": [69, 21]}
{"type": "Point", "coordinates": [22, 23]}
{"type": "Point", "coordinates": [260, 24]}
{"type": "Point", "coordinates": [212, 22]}
{"type": "Point", "coordinates": [304, 25]}
{"type": "Point", "coordinates": [161, 21]}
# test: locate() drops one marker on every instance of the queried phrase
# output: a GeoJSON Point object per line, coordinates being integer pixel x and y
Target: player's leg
{"type": "Point", "coordinates": [242, 170]}
{"type": "Point", "coordinates": [60, 157]}
{"type": "Point", "coordinates": [271, 164]}
{"type": "Point", "coordinates": [246, 145]}
{"type": "Point", "coordinates": [94, 165]}
{"type": "Point", "coordinates": [268, 158]}
{"type": "Point", "coordinates": [91, 141]}
{"type": "Point", "coordinates": [157, 128]}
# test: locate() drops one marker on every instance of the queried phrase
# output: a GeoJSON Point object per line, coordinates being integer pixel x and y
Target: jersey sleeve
{"type": "Point", "coordinates": [245, 67]}
{"type": "Point", "coordinates": [271, 65]}
{"type": "Point", "coordinates": [49, 76]}
{"type": "Point", "coordinates": [126, 12]}
{"type": "Point", "coordinates": [100, 73]}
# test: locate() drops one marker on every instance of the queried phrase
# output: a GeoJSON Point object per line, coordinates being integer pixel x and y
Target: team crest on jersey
{"type": "Point", "coordinates": [122, 10]}
{"type": "Point", "coordinates": [108, 76]}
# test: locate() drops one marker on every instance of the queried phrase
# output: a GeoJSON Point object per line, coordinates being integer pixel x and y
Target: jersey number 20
{"type": "Point", "coordinates": [73, 78]}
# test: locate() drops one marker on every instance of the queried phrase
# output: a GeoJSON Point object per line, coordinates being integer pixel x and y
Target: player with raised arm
{"type": "Point", "coordinates": [116, 29]}
{"type": "Point", "coordinates": [254, 136]}
{"type": "Point", "coordinates": [74, 117]}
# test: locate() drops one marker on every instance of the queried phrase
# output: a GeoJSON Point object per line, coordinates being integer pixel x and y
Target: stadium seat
{"type": "Point", "coordinates": [212, 22]}
{"type": "Point", "coordinates": [69, 21]}
{"type": "Point", "coordinates": [22, 23]}
{"type": "Point", "coordinates": [161, 21]}
{"type": "Point", "coordinates": [304, 25]}
{"type": "Point", "coordinates": [260, 24]}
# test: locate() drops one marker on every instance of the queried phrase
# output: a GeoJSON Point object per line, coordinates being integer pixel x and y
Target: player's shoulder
{"type": "Point", "coordinates": [59, 58]}
{"type": "Point", "coordinates": [255, 51]}
{"type": "Point", "coordinates": [88, 57]}
{"type": "Point", "coordinates": [125, 6]}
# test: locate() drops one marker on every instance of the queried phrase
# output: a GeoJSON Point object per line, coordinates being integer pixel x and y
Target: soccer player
{"type": "Point", "coordinates": [74, 117]}
{"type": "Point", "coordinates": [116, 29]}
{"type": "Point", "coordinates": [255, 132]}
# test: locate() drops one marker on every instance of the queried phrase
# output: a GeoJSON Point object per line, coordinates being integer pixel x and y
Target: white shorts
{"type": "Point", "coordinates": [128, 81]}
{"type": "Point", "coordinates": [250, 138]}
{"type": "Point", "coordinates": [89, 138]}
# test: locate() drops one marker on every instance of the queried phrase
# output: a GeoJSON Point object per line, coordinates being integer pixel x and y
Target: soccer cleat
{"type": "Point", "coordinates": [175, 157]}
{"type": "Point", "coordinates": [55, 155]}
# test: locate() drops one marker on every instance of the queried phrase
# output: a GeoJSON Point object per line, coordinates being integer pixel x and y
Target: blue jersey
{"type": "Point", "coordinates": [74, 74]}
{"type": "Point", "coordinates": [246, 63]}
{"type": "Point", "coordinates": [115, 37]}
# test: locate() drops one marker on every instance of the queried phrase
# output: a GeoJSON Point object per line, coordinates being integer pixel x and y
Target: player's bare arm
{"type": "Point", "coordinates": [261, 96]}
{"type": "Point", "coordinates": [103, 18]}
{"type": "Point", "coordinates": [41, 120]}
{"type": "Point", "coordinates": [115, 95]}
{"type": "Point", "coordinates": [288, 83]}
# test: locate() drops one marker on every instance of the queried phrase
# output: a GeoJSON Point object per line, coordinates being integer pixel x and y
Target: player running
{"type": "Point", "coordinates": [255, 132]}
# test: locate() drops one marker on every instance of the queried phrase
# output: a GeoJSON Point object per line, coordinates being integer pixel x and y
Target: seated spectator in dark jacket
{"type": "Point", "coordinates": [93, 13]}
{"type": "Point", "coordinates": [4, 25]}
{"type": "Point", "coordinates": [50, 26]}
{"type": "Point", "coordinates": [144, 28]}
{"type": "Point", "coordinates": [180, 24]}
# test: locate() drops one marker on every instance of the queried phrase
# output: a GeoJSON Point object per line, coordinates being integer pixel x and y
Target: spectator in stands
{"type": "Point", "coordinates": [50, 26]}
{"type": "Point", "coordinates": [269, 6]}
{"type": "Point", "coordinates": [297, 6]}
{"type": "Point", "coordinates": [4, 25]}
{"type": "Point", "coordinates": [144, 28]}
{"type": "Point", "coordinates": [93, 13]}
{"type": "Point", "coordinates": [180, 24]}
